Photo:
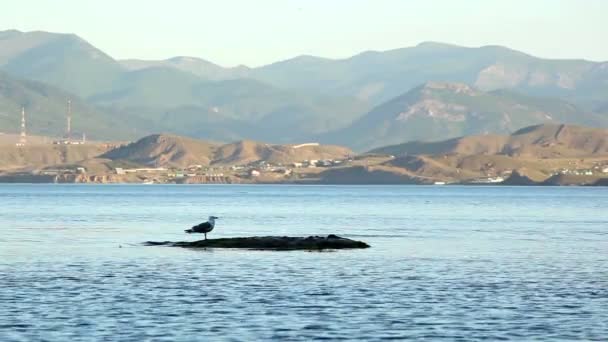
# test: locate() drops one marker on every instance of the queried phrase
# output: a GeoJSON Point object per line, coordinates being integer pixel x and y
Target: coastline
{"type": "Point", "coordinates": [601, 183]}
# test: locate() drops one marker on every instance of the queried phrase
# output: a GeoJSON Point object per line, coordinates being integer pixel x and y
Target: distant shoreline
{"type": "Point", "coordinates": [318, 184]}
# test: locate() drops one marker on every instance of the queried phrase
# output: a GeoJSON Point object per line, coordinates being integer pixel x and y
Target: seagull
{"type": "Point", "coordinates": [204, 227]}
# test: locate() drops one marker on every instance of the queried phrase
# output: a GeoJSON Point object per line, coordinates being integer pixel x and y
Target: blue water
{"type": "Point", "coordinates": [447, 263]}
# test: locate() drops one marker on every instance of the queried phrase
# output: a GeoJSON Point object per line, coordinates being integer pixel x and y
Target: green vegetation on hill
{"type": "Point", "coordinates": [168, 100]}
{"type": "Point", "coordinates": [46, 108]}
{"type": "Point", "coordinates": [193, 65]}
{"type": "Point", "coordinates": [62, 60]}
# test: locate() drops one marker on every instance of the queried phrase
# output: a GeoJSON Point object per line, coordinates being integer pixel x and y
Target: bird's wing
{"type": "Point", "coordinates": [202, 226]}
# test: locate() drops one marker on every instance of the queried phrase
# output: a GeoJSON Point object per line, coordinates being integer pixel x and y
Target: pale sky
{"type": "Point", "coordinates": [257, 32]}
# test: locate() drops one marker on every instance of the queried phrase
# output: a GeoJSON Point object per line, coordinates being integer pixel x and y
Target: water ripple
{"type": "Point", "coordinates": [471, 264]}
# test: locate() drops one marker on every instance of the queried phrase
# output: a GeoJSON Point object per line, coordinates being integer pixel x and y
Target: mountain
{"type": "Point", "coordinates": [379, 76]}
{"type": "Point", "coordinates": [310, 98]}
{"type": "Point", "coordinates": [46, 108]}
{"type": "Point", "coordinates": [62, 60]}
{"type": "Point", "coordinates": [539, 142]}
{"type": "Point", "coordinates": [181, 95]}
{"type": "Point", "coordinates": [438, 110]}
{"type": "Point", "coordinates": [193, 65]}
{"type": "Point", "coordinates": [175, 101]}
{"type": "Point", "coordinates": [163, 150]}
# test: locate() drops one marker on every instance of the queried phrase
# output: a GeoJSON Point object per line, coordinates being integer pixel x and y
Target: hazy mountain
{"type": "Point", "coordinates": [436, 111]}
{"type": "Point", "coordinates": [193, 65]}
{"type": "Point", "coordinates": [164, 88]}
{"type": "Point", "coordinates": [379, 76]}
{"type": "Point", "coordinates": [373, 76]}
{"type": "Point", "coordinates": [154, 87]}
{"type": "Point", "coordinates": [181, 95]}
{"type": "Point", "coordinates": [179, 102]}
{"type": "Point", "coordinates": [63, 60]}
{"type": "Point", "coordinates": [308, 97]}
{"type": "Point", "coordinates": [46, 108]}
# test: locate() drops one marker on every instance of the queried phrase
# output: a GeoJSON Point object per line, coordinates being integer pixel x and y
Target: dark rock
{"type": "Point", "coordinates": [601, 182]}
{"type": "Point", "coordinates": [519, 177]}
{"type": "Point", "coordinates": [277, 243]}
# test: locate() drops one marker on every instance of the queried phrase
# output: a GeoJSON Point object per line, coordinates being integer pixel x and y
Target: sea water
{"type": "Point", "coordinates": [446, 263]}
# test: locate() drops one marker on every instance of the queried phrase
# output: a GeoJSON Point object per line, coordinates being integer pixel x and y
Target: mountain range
{"type": "Point", "coordinates": [427, 92]}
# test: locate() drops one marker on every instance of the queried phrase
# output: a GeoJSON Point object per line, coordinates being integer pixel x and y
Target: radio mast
{"type": "Point", "coordinates": [23, 136]}
{"type": "Point", "coordinates": [68, 131]}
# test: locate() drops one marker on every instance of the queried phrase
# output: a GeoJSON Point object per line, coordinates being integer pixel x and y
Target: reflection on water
{"type": "Point", "coordinates": [447, 263]}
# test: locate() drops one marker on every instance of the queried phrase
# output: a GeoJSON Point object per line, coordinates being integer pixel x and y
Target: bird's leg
{"type": "Point", "coordinates": [205, 236]}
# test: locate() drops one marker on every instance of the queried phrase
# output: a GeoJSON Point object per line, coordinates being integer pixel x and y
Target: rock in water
{"type": "Point", "coordinates": [277, 243]}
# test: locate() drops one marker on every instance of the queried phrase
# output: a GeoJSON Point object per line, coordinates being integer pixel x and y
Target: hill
{"type": "Point", "coordinates": [46, 108]}
{"type": "Point", "coordinates": [44, 155]}
{"type": "Point", "coordinates": [161, 99]}
{"type": "Point", "coordinates": [541, 141]}
{"type": "Point", "coordinates": [160, 90]}
{"type": "Point", "coordinates": [439, 110]}
{"type": "Point", "coordinates": [193, 65]}
{"type": "Point", "coordinates": [246, 152]}
{"type": "Point", "coordinates": [161, 150]}
{"type": "Point", "coordinates": [63, 60]}
{"type": "Point", "coordinates": [541, 154]}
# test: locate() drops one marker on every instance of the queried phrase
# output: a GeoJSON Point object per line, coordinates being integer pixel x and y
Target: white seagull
{"type": "Point", "coordinates": [204, 227]}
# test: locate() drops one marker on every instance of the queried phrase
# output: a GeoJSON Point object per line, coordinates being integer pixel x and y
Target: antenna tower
{"type": "Point", "coordinates": [68, 131]}
{"type": "Point", "coordinates": [23, 136]}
